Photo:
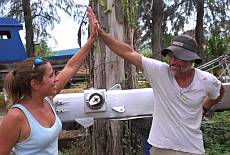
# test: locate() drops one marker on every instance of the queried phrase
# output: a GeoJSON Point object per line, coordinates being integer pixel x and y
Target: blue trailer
{"type": "Point", "coordinates": [12, 49]}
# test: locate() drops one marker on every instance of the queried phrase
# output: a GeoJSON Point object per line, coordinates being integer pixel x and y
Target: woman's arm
{"type": "Point", "coordinates": [76, 60]}
{"type": "Point", "coordinates": [9, 131]}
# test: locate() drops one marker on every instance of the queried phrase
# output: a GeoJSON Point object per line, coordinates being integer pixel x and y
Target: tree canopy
{"type": "Point", "coordinates": [176, 14]}
{"type": "Point", "coordinates": [39, 17]}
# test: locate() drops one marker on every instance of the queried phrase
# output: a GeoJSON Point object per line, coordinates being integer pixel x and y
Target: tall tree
{"type": "Point", "coordinates": [199, 32]}
{"type": "Point", "coordinates": [109, 69]}
{"type": "Point", "coordinates": [29, 28]}
{"type": "Point", "coordinates": [154, 23]}
{"type": "Point", "coordinates": [178, 13]}
{"type": "Point", "coordinates": [157, 19]}
{"type": "Point", "coordinates": [39, 16]}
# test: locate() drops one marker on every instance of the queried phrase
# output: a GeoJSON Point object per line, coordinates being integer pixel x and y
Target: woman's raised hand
{"type": "Point", "coordinates": [93, 23]}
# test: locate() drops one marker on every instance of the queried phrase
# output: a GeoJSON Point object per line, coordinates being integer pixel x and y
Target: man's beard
{"type": "Point", "coordinates": [179, 70]}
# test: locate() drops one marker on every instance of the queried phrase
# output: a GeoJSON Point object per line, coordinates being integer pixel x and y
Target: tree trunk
{"type": "Point", "coordinates": [28, 27]}
{"type": "Point", "coordinates": [199, 27]}
{"type": "Point", "coordinates": [109, 69]}
{"type": "Point", "coordinates": [130, 70]}
{"type": "Point", "coordinates": [157, 18]}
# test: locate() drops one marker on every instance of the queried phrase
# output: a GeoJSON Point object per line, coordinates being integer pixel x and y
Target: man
{"type": "Point", "coordinates": [181, 94]}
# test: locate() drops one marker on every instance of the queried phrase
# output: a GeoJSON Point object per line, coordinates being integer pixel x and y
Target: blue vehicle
{"type": "Point", "coordinates": [12, 49]}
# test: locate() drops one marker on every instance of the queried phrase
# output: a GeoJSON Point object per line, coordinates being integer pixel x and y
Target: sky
{"type": "Point", "coordinates": [65, 32]}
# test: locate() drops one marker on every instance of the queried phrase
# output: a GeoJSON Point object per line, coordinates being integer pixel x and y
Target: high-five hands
{"type": "Point", "coordinates": [93, 23]}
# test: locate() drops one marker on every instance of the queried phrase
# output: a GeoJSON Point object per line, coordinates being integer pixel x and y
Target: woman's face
{"type": "Point", "coordinates": [48, 84]}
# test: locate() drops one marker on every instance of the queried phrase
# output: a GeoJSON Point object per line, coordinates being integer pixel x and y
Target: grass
{"type": "Point", "coordinates": [80, 143]}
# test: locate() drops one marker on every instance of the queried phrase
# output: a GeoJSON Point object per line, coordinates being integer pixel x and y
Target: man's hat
{"type": "Point", "coordinates": [183, 47]}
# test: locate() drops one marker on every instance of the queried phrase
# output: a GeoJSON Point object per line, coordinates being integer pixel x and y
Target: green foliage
{"type": "Point", "coordinates": [2, 104]}
{"type": "Point", "coordinates": [102, 3]}
{"type": "Point", "coordinates": [130, 142]}
{"type": "Point", "coordinates": [217, 13]}
{"type": "Point", "coordinates": [43, 50]}
{"type": "Point", "coordinates": [143, 84]}
{"type": "Point", "coordinates": [64, 152]}
{"type": "Point", "coordinates": [129, 11]}
{"type": "Point", "coordinates": [178, 13]}
{"type": "Point", "coordinates": [125, 139]}
{"type": "Point", "coordinates": [44, 14]}
{"type": "Point", "coordinates": [167, 39]}
{"type": "Point", "coordinates": [175, 16]}
{"type": "Point", "coordinates": [218, 44]}
{"type": "Point", "coordinates": [216, 134]}
{"type": "Point", "coordinates": [147, 52]}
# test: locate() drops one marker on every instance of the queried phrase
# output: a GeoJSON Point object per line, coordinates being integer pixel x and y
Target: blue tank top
{"type": "Point", "coordinates": [41, 141]}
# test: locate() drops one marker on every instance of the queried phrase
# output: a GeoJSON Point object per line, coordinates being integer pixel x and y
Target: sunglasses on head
{"type": "Point", "coordinates": [37, 61]}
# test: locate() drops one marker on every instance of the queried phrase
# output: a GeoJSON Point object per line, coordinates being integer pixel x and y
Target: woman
{"type": "Point", "coordinates": [31, 126]}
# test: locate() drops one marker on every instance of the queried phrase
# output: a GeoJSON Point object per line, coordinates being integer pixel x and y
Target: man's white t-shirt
{"type": "Point", "coordinates": [177, 112]}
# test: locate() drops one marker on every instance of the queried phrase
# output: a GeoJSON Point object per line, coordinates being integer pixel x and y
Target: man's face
{"type": "Point", "coordinates": [178, 66]}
